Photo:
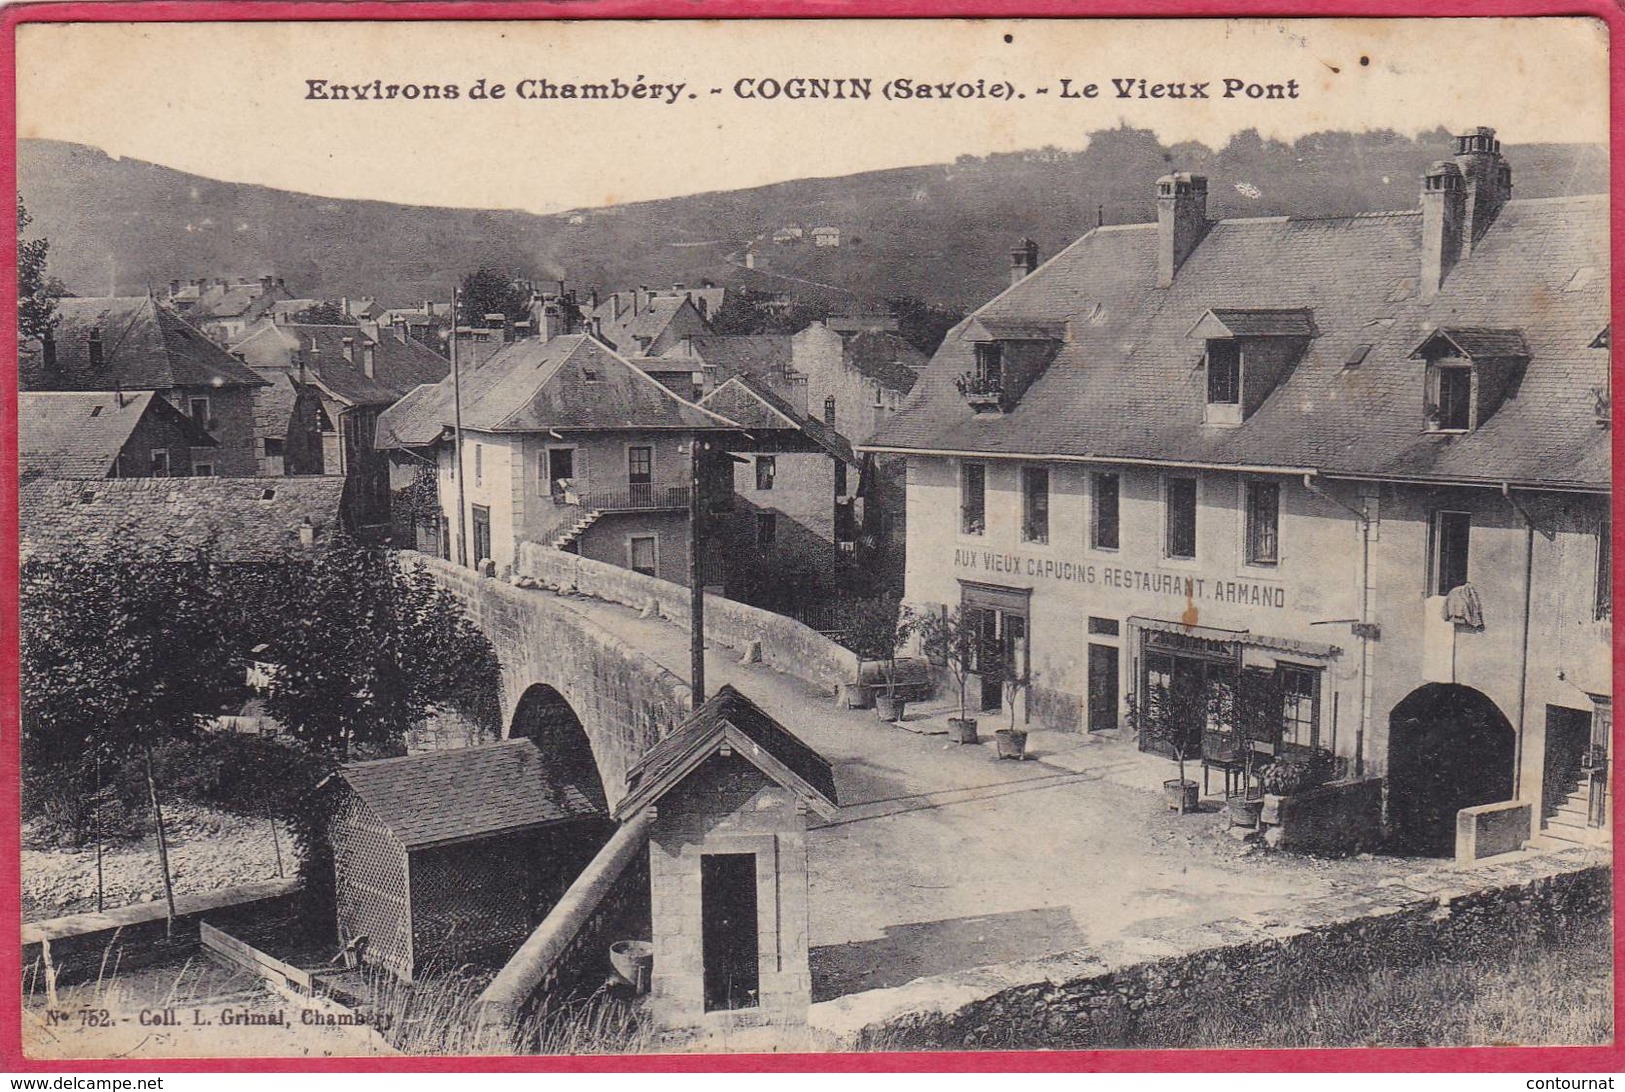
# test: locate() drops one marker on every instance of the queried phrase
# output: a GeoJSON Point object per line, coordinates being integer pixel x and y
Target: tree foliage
{"type": "Point", "coordinates": [367, 649]}
{"type": "Point", "coordinates": [753, 311]}
{"type": "Point", "coordinates": [488, 291]}
{"type": "Point", "coordinates": [36, 302]}
{"type": "Point", "coordinates": [129, 648]}
{"type": "Point", "coordinates": [326, 313]}
{"type": "Point", "coordinates": [921, 324]}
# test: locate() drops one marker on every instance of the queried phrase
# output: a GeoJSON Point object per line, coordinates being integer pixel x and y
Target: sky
{"type": "Point", "coordinates": [233, 101]}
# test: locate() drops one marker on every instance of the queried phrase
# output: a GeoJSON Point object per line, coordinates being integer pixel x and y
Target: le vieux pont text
{"type": "Point", "coordinates": [799, 88]}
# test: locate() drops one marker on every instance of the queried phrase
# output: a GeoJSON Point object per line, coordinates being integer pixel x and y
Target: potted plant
{"type": "Point", "coordinates": [866, 626]}
{"type": "Point", "coordinates": [950, 636]}
{"type": "Point", "coordinates": [1012, 741]}
{"type": "Point", "coordinates": [1157, 725]}
{"type": "Point", "coordinates": [876, 629]}
{"type": "Point", "coordinates": [888, 706]}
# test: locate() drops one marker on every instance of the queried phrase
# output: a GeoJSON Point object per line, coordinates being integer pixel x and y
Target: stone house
{"type": "Point", "coordinates": [792, 509]}
{"type": "Point", "coordinates": [104, 434]}
{"type": "Point", "coordinates": [325, 387]}
{"type": "Point", "coordinates": [1343, 480]}
{"type": "Point", "coordinates": [133, 344]}
{"type": "Point", "coordinates": [730, 790]}
{"type": "Point", "coordinates": [225, 310]}
{"type": "Point", "coordinates": [646, 322]}
{"type": "Point", "coordinates": [565, 443]}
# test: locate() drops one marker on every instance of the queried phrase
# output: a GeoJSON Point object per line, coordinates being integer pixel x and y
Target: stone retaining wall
{"type": "Point", "coordinates": [784, 644]}
{"type": "Point", "coordinates": [1089, 1000]}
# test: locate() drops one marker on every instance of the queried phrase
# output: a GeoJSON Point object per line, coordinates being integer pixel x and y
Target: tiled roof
{"type": "Point", "coordinates": [886, 358]}
{"type": "Point", "coordinates": [145, 346]}
{"type": "Point", "coordinates": [242, 519]}
{"type": "Point", "coordinates": [571, 382]}
{"type": "Point", "coordinates": [399, 364]}
{"type": "Point", "coordinates": [1126, 381]}
{"type": "Point", "coordinates": [79, 434]}
{"type": "Point", "coordinates": [1264, 321]}
{"type": "Point", "coordinates": [667, 762]}
{"type": "Point", "coordinates": [1478, 343]}
{"type": "Point", "coordinates": [755, 406]}
{"type": "Point", "coordinates": [463, 793]}
{"type": "Point", "coordinates": [759, 355]}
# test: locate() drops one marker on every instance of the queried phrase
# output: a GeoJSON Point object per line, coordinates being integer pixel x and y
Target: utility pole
{"type": "Point", "coordinates": [457, 417]}
{"type": "Point", "coordinates": [696, 587]}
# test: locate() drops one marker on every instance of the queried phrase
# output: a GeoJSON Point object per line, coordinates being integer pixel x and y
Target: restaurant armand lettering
{"type": "Point", "coordinates": [1125, 578]}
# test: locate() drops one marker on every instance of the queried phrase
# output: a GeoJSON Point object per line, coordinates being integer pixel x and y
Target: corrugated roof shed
{"type": "Point", "coordinates": [1125, 383]}
{"type": "Point", "coordinates": [463, 793]}
{"type": "Point", "coordinates": [241, 519]}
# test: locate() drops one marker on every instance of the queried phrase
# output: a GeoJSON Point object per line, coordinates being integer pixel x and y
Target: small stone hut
{"type": "Point", "coordinates": [730, 791]}
{"type": "Point", "coordinates": [452, 857]}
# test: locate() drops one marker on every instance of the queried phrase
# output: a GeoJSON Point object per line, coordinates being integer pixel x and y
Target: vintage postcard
{"type": "Point", "coordinates": [598, 536]}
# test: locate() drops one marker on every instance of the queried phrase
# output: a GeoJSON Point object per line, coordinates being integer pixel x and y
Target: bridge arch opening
{"type": "Point", "coordinates": [545, 717]}
{"type": "Point", "coordinates": [1449, 747]}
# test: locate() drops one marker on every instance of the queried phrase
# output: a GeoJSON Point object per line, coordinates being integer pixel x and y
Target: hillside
{"type": "Point", "coordinates": [941, 233]}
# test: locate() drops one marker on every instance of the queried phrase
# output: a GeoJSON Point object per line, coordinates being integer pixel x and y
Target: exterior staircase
{"type": "Point", "coordinates": [566, 539]}
{"type": "Point", "coordinates": [1566, 822]}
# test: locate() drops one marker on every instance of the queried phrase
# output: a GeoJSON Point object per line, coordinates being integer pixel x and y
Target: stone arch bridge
{"type": "Point", "coordinates": [593, 702]}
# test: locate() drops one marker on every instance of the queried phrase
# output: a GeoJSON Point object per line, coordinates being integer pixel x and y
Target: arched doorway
{"type": "Point", "coordinates": [1449, 747]}
{"type": "Point", "coordinates": [544, 716]}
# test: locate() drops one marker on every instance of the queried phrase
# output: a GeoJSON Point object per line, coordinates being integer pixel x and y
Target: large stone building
{"type": "Point", "coordinates": [566, 444]}
{"type": "Point", "coordinates": [130, 344]}
{"type": "Point", "coordinates": [1347, 475]}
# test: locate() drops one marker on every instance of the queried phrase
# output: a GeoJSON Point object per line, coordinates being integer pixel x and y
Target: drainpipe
{"type": "Point", "coordinates": [1367, 686]}
{"type": "Point", "coordinates": [1523, 667]}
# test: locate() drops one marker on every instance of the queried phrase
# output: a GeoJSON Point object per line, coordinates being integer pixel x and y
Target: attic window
{"type": "Point", "coordinates": [267, 494]}
{"type": "Point", "coordinates": [1470, 372]}
{"type": "Point", "coordinates": [591, 375]}
{"type": "Point", "coordinates": [95, 411]}
{"type": "Point", "coordinates": [1603, 340]}
{"type": "Point", "coordinates": [1249, 352]}
{"type": "Point", "coordinates": [86, 497]}
{"type": "Point", "coordinates": [1224, 373]}
{"type": "Point", "coordinates": [1357, 355]}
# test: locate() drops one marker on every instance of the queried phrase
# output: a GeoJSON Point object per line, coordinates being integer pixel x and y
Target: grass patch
{"type": "Point", "coordinates": [1545, 993]}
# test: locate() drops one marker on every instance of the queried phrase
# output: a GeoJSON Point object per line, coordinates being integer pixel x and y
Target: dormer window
{"type": "Point", "coordinates": [1248, 353]}
{"type": "Point", "coordinates": [1451, 398]}
{"type": "Point", "coordinates": [1009, 355]}
{"type": "Point", "coordinates": [1224, 382]}
{"type": "Point", "coordinates": [1470, 372]}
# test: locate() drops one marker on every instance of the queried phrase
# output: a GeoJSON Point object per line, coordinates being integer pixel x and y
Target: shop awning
{"type": "Point", "coordinates": [1242, 637]}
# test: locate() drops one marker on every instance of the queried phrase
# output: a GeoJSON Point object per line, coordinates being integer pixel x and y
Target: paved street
{"type": "Point", "coordinates": [945, 858]}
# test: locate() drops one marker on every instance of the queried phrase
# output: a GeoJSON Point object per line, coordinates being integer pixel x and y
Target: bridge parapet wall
{"type": "Point", "coordinates": [785, 644]}
{"type": "Point", "coordinates": [625, 700]}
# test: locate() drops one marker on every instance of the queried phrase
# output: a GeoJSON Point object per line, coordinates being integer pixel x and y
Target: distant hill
{"type": "Point", "coordinates": [941, 233]}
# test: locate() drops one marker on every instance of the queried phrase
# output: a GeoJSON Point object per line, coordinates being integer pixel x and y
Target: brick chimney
{"type": "Point", "coordinates": [1444, 214]}
{"type": "Point", "coordinates": [369, 360]}
{"type": "Point", "coordinates": [1487, 180]}
{"type": "Point", "coordinates": [349, 349]}
{"type": "Point", "coordinates": [1181, 221]}
{"type": "Point", "coordinates": [1023, 260]}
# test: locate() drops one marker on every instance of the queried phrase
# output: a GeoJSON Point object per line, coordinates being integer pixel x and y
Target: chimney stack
{"type": "Point", "coordinates": [1023, 260]}
{"type": "Point", "coordinates": [307, 533]}
{"type": "Point", "coordinates": [349, 349]}
{"type": "Point", "coordinates": [1181, 221]}
{"type": "Point", "coordinates": [369, 360]}
{"type": "Point", "coordinates": [1444, 216]}
{"type": "Point", "coordinates": [1487, 181]}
